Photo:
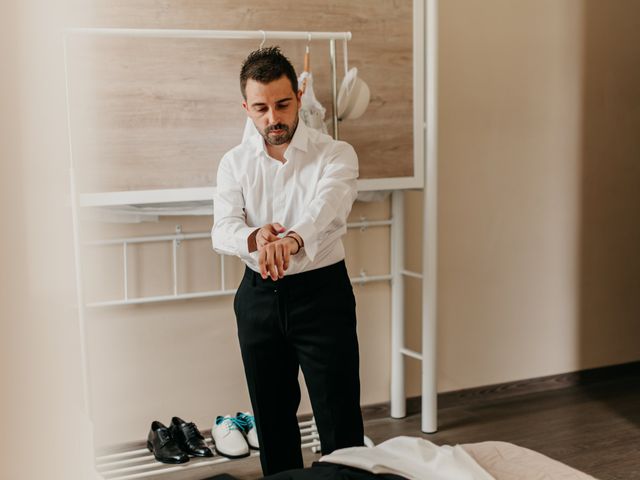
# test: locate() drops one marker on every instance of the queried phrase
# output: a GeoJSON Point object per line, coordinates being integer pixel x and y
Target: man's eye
{"type": "Point", "coordinates": [263, 109]}
{"type": "Point", "coordinates": [282, 106]}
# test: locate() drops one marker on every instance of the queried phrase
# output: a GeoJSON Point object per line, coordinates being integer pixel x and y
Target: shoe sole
{"type": "Point", "coordinates": [244, 455]}
{"type": "Point", "coordinates": [192, 454]}
{"type": "Point", "coordinates": [167, 461]}
{"type": "Point", "coordinates": [250, 446]}
{"type": "Point", "coordinates": [199, 456]}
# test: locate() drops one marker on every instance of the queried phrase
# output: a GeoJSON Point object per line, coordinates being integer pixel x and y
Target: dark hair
{"type": "Point", "coordinates": [266, 65]}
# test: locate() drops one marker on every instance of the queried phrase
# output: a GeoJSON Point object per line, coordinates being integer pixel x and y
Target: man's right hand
{"type": "Point", "coordinates": [274, 257]}
{"type": "Point", "coordinates": [264, 235]}
{"type": "Point", "coordinates": [268, 233]}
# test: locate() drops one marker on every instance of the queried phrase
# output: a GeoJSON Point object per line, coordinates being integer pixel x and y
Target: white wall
{"type": "Point", "coordinates": [539, 270]}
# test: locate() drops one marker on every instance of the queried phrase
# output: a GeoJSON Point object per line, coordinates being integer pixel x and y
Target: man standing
{"type": "Point", "coordinates": [282, 201]}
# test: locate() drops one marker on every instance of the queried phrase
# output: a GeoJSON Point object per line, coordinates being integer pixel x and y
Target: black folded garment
{"type": "Point", "coordinates": [322, 471]}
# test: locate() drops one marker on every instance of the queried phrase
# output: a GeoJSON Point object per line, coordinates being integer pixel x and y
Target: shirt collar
{"type": "Point", "coordinates": [301, 137]}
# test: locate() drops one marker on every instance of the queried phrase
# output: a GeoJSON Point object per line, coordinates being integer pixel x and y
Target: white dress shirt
{"type": "Point", "coordinates": [311, 193]}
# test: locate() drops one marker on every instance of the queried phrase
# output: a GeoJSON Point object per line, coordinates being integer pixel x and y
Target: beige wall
{"type": "Point", "coordinates": [539, 224]}
{"type": "Point", "coordinates": [538, 262]}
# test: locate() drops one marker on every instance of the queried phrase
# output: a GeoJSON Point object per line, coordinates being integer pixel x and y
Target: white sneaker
{"type": "Point", "coordinates": [228, 438]}
{"type": "Point", "coordinates": [249, 429]}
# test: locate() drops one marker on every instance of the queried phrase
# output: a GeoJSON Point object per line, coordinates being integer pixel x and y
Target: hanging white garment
{"type": "Point", "coordinates": [312, 112]}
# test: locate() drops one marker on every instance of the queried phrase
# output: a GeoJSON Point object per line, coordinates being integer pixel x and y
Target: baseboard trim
{"type": "Point", "coordinates": [500, 391]}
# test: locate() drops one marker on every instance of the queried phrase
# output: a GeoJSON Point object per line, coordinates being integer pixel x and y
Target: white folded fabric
{"type": "Point", "coordinates": [414, 458]}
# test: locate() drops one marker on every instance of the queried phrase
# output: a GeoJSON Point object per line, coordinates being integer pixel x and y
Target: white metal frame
{"type": "Point", "coordinates": [429, 422]}
{"type": "Point", "coordinates": [425, 20]}
{"type": "Point", "coordinates": [425, 122]}
{"type": "Point", "coordinates": [139, 463]}
{"type": "Point", "coordinates": [176, 239]}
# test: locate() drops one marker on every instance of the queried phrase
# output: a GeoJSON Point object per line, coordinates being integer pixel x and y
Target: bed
{"type": "Point", "coordinates": [506, 461]}
{"type": "Point", "coordinates": [416, 458]}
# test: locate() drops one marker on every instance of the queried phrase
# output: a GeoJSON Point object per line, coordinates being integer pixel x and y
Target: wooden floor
{"type": "Point", "coordinates": [594, 428]}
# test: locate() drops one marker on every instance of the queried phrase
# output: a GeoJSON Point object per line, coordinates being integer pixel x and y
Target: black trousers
{"type": "Point", "coordinates": [322, 471]}
{"type": "Point", "coordinates": [332, 471]}
{"type": "Point", "coordinates": [307, 321]}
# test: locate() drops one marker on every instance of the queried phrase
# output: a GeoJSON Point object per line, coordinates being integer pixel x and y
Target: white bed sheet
{"type": "Point", "coordinates": [416, 458]}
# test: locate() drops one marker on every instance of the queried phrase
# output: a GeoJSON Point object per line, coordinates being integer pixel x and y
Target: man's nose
{"type": "Point", "coordinates": [272, 116]}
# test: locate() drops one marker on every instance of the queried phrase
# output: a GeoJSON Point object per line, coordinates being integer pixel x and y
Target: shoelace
{"type": "Point", "coordinates": [247, 421]}
{"type": "Point", "coordinates": [164, 436]}
{"type": "Point", "coordinates": [192, 431]}
{"type": "Point", "coordinates": [231, 423]}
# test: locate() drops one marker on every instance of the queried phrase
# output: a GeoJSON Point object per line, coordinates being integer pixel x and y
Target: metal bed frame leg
{"type": "Point", "coordinates": [430, 232]}
{"type": "Point", "coordinates": [398, 395]}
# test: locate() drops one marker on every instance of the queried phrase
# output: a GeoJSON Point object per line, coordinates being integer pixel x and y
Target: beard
{"type": "Point", "coordinates": [282, 138]}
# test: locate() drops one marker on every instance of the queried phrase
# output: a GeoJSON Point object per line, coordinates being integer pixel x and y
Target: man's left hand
{"type": "Point", "coordinates": [274, 257]}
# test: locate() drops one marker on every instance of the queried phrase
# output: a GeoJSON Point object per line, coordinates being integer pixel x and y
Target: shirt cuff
{"type": "Point", "coordinates": [242, 237]}
{"type": "Point", "coordinates": [309, 236]}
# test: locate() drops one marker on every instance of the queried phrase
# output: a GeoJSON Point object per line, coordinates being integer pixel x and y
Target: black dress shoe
{"type": "Point", "coordinates": [189, 438]}
{"type": "Point", "coordinates": [163, 445]}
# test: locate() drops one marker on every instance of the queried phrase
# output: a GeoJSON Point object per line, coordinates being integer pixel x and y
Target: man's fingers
{"type": "Point", "coordinates": [271, 262]}
{"type": "Point", "coordinates": [280, 259]}
{"type": "Point", "coordinates": [266, 235]}
{"type": "Point", "coordinates": [274, 255]}
{"type": "Point", "coordinates": [262, 261]}
{"type": "Point", "coordinates": [285, 257]}
{"type": "Point", "coordinates": [275, 228]}
{"type": "Point", "coordinates": [270, 237]}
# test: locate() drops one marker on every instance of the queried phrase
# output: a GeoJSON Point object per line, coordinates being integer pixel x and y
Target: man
{"type": "Point", "coordinates": [282, 201]}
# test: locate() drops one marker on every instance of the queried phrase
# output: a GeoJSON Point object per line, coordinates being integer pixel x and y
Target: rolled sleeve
{"type": "Point", "coordinates": [334, 197]}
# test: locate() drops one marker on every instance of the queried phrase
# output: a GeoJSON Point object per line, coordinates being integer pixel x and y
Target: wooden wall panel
{"type": "Point", "coordinates": [160, 113]}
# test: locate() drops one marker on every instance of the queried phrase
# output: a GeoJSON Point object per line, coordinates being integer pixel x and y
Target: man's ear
{"type": "Point", "coordinates": [299, 97]}
{"type": "Point", "coordinates": [245, 106]}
